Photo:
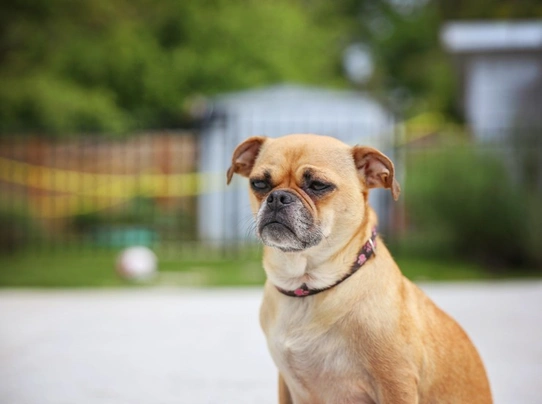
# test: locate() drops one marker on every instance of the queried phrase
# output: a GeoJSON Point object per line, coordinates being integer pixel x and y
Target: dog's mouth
{"type": "Point", "coordinates": [286, 236]}
{"type": "Point", "coordinates": [276, 226]}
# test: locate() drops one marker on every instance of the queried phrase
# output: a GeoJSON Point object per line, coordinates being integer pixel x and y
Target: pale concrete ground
{"type": "Point", "coordinates": [158, 346]}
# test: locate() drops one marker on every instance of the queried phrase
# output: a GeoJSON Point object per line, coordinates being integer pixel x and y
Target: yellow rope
{"type": "Point", "coordinates": [85, 192]}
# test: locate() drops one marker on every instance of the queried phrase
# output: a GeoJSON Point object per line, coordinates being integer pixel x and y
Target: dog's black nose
{"type": "Point", "coordinates": [278, 199]}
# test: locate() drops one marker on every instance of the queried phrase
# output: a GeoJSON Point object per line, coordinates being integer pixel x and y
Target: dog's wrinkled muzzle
{"type": "Point", "coordinates": [284, 222]}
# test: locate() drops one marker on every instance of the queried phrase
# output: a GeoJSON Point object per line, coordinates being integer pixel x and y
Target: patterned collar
{"type": "Point", "coordinates": [366, 252]}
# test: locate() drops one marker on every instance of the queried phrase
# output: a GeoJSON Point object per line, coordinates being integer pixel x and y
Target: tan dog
{"type": "Point", "coordinates": [343, 325]}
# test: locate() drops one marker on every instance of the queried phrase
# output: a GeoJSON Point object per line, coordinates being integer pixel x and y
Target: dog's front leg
{"type": "Point", "coordinates": [284, 392]}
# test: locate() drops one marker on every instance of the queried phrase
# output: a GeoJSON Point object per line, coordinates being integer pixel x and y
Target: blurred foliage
{"type": "Point", "coordinates": [491, 9]}
{"type": "Point", "coordinates": [113, 66]}
{"type": "Point", "coordinates": [413, 72]}
{"type": "Point", "coordinates": [101, 66]}
{"type": "Point", "coordinates": [140, 215]}
{"type": "Point", "coordinates": [469, 206]}
{"type": "Point", "coordinates": [19, 230]}
{"type": "Point", "coordinates": [16, 232]}
{"type": "Point", "coordinates": [138, 211]}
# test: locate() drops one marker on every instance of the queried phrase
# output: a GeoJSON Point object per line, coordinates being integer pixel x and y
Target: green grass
{"type": "Point", "coordinates": [96, 268]}
{"type": "Point", "coordinates": [191, 267]}
{"type": "Point", "coordinates": [419, 269]}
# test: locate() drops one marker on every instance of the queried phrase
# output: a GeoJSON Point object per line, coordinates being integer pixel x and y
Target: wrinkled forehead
{"type": "Point", "coordinates": [303, 155]}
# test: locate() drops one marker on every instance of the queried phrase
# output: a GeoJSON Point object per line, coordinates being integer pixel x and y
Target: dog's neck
{"type": "Point", "coordinates": [321, 266]}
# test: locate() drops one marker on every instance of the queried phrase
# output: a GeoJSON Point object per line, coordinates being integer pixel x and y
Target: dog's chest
{"type": "Point", "coordinates": [317, 362]}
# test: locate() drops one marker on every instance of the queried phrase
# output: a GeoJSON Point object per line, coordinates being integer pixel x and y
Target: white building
{"type": "Point", "coordinates": [500, 67]}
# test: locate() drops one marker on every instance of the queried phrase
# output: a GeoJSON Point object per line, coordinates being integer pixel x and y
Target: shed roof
{"type": "Point", "coordinates": [462, 37]}
{"type": "Point", "coordinates": [297, 100]}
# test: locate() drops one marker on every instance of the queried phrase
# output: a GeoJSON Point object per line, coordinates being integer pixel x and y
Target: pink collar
{"type": "Point", "coordinates": [366, 252]}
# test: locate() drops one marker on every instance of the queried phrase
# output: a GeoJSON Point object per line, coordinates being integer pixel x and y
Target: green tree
{"type": "Point", "coordinates": [412, 69]}
{"type": "Point", "coordinates": [100, 66]}
{"type": "Point", "coordinates": [114, 66]}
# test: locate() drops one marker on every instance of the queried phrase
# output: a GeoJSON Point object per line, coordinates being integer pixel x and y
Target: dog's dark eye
{"type": "Point", "coordinates": [318, 186]}
{"type": "Point", "coordinates": [259, 185]}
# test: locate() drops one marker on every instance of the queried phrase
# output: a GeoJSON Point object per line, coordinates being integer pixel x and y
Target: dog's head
{"type": "Point", "coordinates": [305, 188]}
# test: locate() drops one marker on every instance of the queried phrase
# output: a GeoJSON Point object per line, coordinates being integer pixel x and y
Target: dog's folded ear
{"type": "Point", "coordinates": [244, 156]}
{"type": "Point", "coordinates": [376, 169]}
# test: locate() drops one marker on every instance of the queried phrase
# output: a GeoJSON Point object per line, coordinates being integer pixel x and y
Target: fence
{"type": "Point", "coordinates": [97, 192]}
{"type": "Point", "coordinates": [481, 199]}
